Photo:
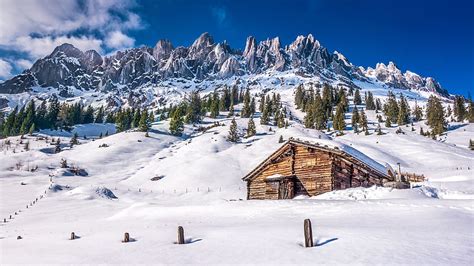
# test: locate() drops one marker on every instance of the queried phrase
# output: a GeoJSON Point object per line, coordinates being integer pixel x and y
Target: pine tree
{"type": "Point", "coordinates": [143, 124]}
{"type": "Point", "coordinates": [387, 122]}
{"type": "Point", "coordinates": [151, 119]}
{"type": "Point", "coordinates": [136, 118]}
{"type": "Point", "coordinates": [32, 129]}
{"type": "Point", "coordinates": [435, 115]}
{"type": "Point", "coordinates": [29, 118]}
{"type": "Point", "coordinates": [281, 140]}
{"type": "Point", "coordinates": [309, 118]}
{"type": "Point", "coordinates": [459, 108]}
{"type": "Point", "coordinates": [357, 98]}
{"type": "Point", "coordinates": [233, 133]}
{"type": "Point", "coordinates": [251, 130]}
{"type": "Point", "coordinates": [176, 123]}
{"type": "Point", "coordinates": [99, 118]}
{"type": "Point", "coordinates": [403, 112]}
{"type": "Point", "coordinates": [214, 106]}
{"type": "Point", "coordinates": [470, 112]}
{"type": "Point", "coordinates": [74, 140]}
{"type": "Point", "coordinates": [355, 119]}
{"type": "Point", "coordinates": [299, 95]}
{"type": "Point", "coordinates": [193, 111]}
{"type": "Point", "coordinates": [280, 120]}
{"type": "Point", "coordinates": [88, 115]}
{"type": "Point", "coordinates": [363, 121]}
{"type": "Point", "coordinates": [8, 127]}
{"type": "Point", "coordinates": [369, 102]}
{"type": "Point", "coordinates": [262, 103]}
{"type": "Point", "coordinates": [252, 106]}
{"type": "Point", "coordinates": [417, 113]}
{"type": "Point", "coordinates": [338, 122]}
{"type": "Point", "coordinates": [246, 110]}
{"type": "Point", "coordinates": [391, 108]}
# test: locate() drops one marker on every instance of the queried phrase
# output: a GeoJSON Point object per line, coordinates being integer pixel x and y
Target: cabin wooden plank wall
{"type": "Point", "coordinates": [259, 188]}
{"type": "Point", "coordinates": [348, 174]}
{"type": "Point", "coordinates": [313, 169]}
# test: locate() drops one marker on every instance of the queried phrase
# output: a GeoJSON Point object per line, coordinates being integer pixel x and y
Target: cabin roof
{"type": "Point", "coordinates": [342, 150]}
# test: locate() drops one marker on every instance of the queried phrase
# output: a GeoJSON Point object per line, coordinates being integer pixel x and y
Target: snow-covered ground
{"type": "Point", "coordinates": [197, 184]}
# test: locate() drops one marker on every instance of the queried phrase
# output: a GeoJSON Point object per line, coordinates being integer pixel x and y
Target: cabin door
{"type": "Point", "coordinates": [286, 189]}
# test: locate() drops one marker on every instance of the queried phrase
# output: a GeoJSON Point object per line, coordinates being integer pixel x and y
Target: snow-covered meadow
{"type": "Point", "coordinates": [197, 184]}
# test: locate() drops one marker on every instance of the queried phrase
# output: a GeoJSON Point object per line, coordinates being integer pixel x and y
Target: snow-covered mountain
{"type": "Point", "coordinates": [71, 72]}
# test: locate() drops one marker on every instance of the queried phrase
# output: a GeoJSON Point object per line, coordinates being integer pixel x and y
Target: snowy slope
{"type": "Point", "coordinates": [199, 186]}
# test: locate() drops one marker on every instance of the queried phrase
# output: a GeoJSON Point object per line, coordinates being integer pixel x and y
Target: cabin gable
{"type": "Point", "coordinates": [299, 168]}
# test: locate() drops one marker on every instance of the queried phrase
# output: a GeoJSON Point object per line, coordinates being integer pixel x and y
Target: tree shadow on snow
{"type": "Point", "coordinates": [189, 240]}
{"type": "Point", "coordinates": [320, 242]}
{"type": "Point", "coordinates": [454, 127]}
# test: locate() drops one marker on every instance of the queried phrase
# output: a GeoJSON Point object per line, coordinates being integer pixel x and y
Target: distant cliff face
{"type": "Point", "coordinates": [68, 66]}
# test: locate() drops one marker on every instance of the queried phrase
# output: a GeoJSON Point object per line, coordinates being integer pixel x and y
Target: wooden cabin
{"type": "Point", "coordinates": [304, 168]}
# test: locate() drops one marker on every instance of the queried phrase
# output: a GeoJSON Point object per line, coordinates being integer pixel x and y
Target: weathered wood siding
{"type": "Point", "coordinates": [258, 188]}
{"type": "Point", "coordinates": [348, 174]}
{"type": "Point", "coordinates": [313, 169]}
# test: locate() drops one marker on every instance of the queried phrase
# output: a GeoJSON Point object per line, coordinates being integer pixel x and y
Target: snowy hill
{"type": "Point", "coordinates": [147, 186]}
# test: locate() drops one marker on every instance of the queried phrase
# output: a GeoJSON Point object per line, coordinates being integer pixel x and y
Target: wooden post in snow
{"type": "Point", "coordinates": [180, 235]}
{"type": "Point", "coordinates": [126, 238]}
{"type": "Point", "coordinates": [73, 236]}
{"type": "Point", "coordinates": [308, 234]}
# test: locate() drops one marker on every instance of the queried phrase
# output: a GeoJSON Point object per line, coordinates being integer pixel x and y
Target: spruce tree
{"type": "Point", "coordinates": [363, 121]}
{"type": "Point", "coordinates": [214, 108]}
{"type": "Point", "coordinates": [435, 115]}
{"type": "Point", "coordinates": [459, 108]}
{"type": "Point", "coordinates": [319, 113]}
{"type": "Point", "coordinates": [88, 115]}
{"type": "Point", "coordinates": [32, 129]}
{"type": "Point", "coordinates": [470, 112]}
{"type": "Point", "coordinates": [281, 140]}
{"type": "Point", "coordinates": [299, 95]}
{"type": "Point", "coordinates": [369, 102]}
{"type": "Point", "coordinates": [143, 124]}
{"type": "Point", "coordinates": [355, 119]}
{"type": "Point", "coordinates": [417, 113]}
{"type": "Point", "coordinates": [246, 109]}
{"type": "Point", "coordinates": [262, 103]}
{"type": "Point", "coordinates": [136, 118]}
{"type": "Point", "coordinates": [74, 140]}
{"type": "Point", "coordinates": [387, 122]}
{"type": "Point", "coordinates": [357, 98]}
{"type": "Point", "coordinates": [99, 118]}
{"type": "Point", "coordinates": [251, 130]}
{"type": "Point", "coordinates": [193, 111]}
{"type": "Point", "coordinates": [338, 122]}
{"type": "Point", "coordinates": [265, 117]}
{"type": "Point", "coordinates": [176, 123]}
{"type": "Point", "coordinates": [403, 112]}
{"type": "Point", "coordinates": [233, 133]}
{"type": "Point", "coordinates": [391, 108]}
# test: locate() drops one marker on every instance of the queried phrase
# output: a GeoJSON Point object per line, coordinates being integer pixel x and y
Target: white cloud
{"type": "Point", "coordinates": [118, 40]}
{"type": "Point", "coordinates": [58, 17]}
{"type": "Point", "coordinates": [5, 69]}
{"type": "Point", "coordinates": [35, 28]}
{"type": "Point", "coordinates": [23, 64]}
{"type": "Point", "coordinates": [40, 47]}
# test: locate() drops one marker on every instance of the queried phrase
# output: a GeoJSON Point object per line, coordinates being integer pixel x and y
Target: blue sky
{"type": "Point", "coordinates": [431, 38]}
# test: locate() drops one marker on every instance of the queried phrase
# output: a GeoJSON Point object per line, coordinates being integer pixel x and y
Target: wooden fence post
{"type": "Point", "coordinates": [73, 236]}
{"type": "Point", "coordinates": [180, 235]}
{"type": "Point", "coordinates": [126, 238]}
{"type": "Point", "coordinates": [308, 233]}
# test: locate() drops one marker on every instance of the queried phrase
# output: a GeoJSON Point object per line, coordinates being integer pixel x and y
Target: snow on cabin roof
{"type": "Point", "coordinates": [338, 148]}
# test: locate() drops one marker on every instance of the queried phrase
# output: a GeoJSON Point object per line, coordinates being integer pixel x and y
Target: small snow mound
{"type": "Point", "coordinates": [105, 193]}
{"type": "Point", "coordinates": [374, 192]}
{"type": "Point", "coordinates": [440, 193]}
{"type": "Point", "coordinates": [57, 187]}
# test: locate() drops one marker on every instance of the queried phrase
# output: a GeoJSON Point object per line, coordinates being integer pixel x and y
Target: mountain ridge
{"type": "Point", "coordinates": [204, 59]}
